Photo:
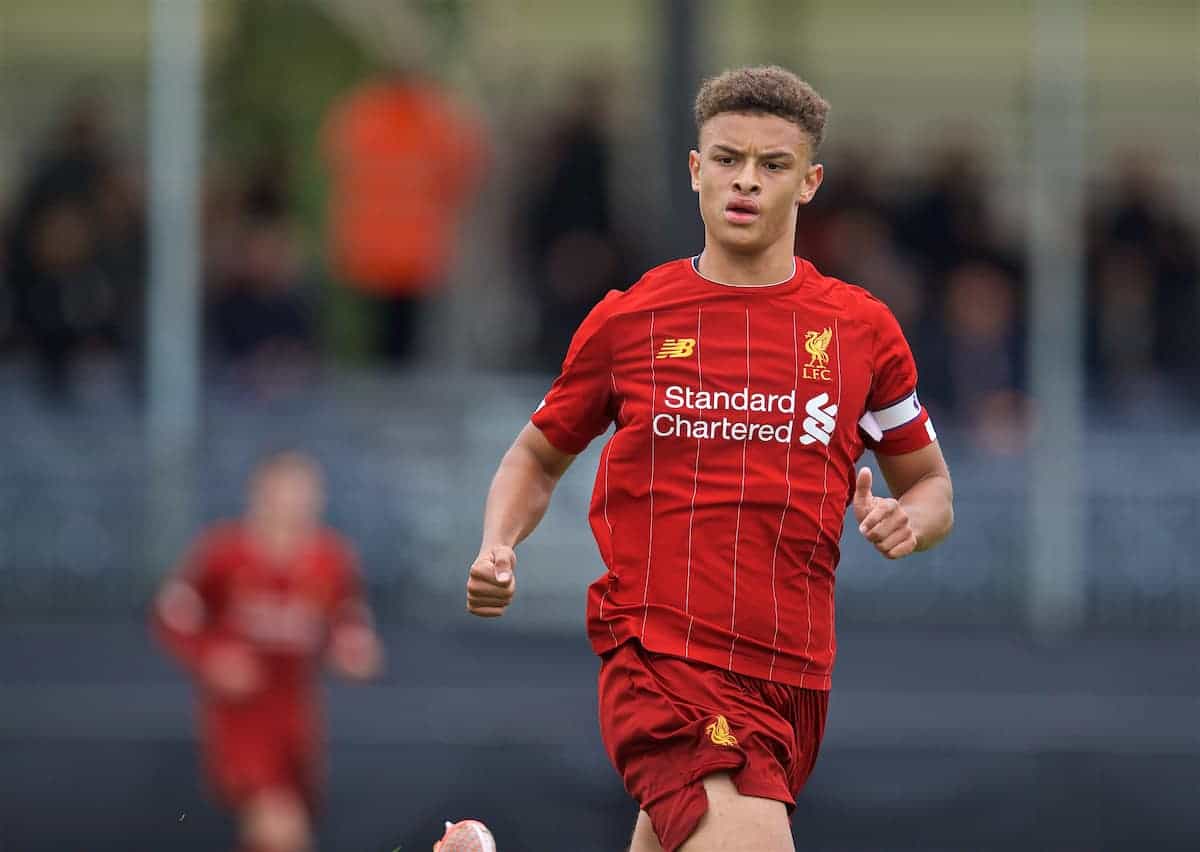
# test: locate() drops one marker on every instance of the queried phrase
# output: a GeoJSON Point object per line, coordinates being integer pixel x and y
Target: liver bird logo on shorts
{"type": "Point", "coordinates": [718, 732]}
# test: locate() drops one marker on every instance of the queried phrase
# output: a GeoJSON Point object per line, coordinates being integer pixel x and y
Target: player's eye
{"type": "Point", "coordinates": [724, 160]}
{"type": "Point", "coordinates": [774, 166]}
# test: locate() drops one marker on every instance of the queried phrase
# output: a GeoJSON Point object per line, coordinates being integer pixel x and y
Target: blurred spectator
{"type": "Point", "coordinates": [260, 308]}
{"type": "Point", "coordinates": [571, 244]}
{"type": "Point", "coordinates": [982, 354]}
{"type": "Point", "coordinates": [946, 223]}
{"type": "Point", "coordinates": [861, 247]}
{"type": "Point", "coordinates": [268, 192]}
{"type": "Point", "coordinates": [260, 317]}
{"type": "Point", "coordinates": [1144, 304]}
{"type": "Point", "coordinates": [936, 258]}
{"type": "Point", "coordinates": [852, 187]}
{"type": "Point", "coordinates": [74, 248]}
{"type": "Point", "coordinates": [8, 305]}
{"type": "Point", "coordinates": [253, 611]}
{"type": "Point", "coordinates": [222, 219]}
{"type": "Point", "coordinates": [405, 160]}
{"type": "Point", "coordinates": [946, 219]}
{"type": "Point", "coordinates": [121, 254]}
{"type": "Point", "coordinates": [850, 231]}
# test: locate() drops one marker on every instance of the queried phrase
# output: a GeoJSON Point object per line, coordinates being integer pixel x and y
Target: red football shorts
{"type": "Point", "coordinates": [669, 722]}
{"type": "Point", "coordinates": [245, 759]}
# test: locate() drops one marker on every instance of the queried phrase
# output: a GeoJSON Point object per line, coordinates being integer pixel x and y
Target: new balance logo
{"type": "Point", "coordinates": [677, 347]}
{"type": "Point", "coordinates": [818, 425]}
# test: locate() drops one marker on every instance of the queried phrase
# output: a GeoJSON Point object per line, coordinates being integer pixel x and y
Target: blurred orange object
{"type": "Point", "coordinates": [404, 159]}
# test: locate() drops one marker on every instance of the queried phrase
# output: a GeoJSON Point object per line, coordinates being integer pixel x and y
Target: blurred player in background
{"type": "Point", "coordinates": [256, 607]}
{"type": "Point", "coordinates": [744, 385]}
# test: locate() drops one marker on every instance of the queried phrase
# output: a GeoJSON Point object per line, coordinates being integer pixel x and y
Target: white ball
{"type": "Point", "coordinates": [468, 835]}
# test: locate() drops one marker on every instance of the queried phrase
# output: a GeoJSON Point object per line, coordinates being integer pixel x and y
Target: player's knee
{"type": "Point", "coordinates": [277, 821]}
{"type": "Point", "coordinates": [737, 823]}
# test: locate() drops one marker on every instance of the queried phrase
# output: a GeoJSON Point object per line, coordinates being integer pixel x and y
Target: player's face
{"type": "Point", "coordinates": [752, 172]}
{"type": "Point", "coordinates": [288, 497]}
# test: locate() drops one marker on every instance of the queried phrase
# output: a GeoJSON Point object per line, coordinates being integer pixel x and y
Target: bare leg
{"type": "Point", "coordinates": [644, 838]}
{"type": "Point", "coordinates": [737, 823]}
{"type": "Point", "coordinates": [732, 823]}
{"type": "Point", "coordinates": [276, 821]}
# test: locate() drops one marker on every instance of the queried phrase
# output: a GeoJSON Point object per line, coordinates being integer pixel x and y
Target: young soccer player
{"type": "Point", "coordinates": [744, 386]}
{"type": "Point", "coordinates": [251, 613]}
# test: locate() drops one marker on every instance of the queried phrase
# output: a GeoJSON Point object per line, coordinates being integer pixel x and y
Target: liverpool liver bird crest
{"type": "Point", "coordinates": [815, 344]}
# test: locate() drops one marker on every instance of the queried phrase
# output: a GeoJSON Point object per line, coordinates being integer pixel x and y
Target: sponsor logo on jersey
{"type": "Point", "coordinates": [718, 732]}
{"type": "Point", "coordinates": [730, 416]}
{"type": "Point", "coordinates": [720, 425]}
{"type": "Point", "coordinates": [677, 347]}
{"type": "Point", "coordinates": [818, 425]}
{"type": "Point", "coordinates": [279, 623]}
{"type": "Point", "coordinates": [815, 344]}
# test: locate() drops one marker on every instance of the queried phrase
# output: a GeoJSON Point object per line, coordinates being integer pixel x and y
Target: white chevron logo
{"type": "Point", "coordinates": [818, 425]}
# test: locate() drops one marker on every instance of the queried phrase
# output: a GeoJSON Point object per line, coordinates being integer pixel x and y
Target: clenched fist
{"type": "Point", "coordinates": [355, 652]}
{"type": "Point", "coordinates": [492, 582]}
{"type": "Point", "coordinates": [882, 520]}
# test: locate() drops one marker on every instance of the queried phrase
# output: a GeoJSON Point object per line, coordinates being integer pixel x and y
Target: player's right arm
{"type": "Point", "coordinates": [182, 617]}
{"type": "Point", "coordinates": [516, 502]}
{"type": "Point", "coordinates": [577, 408]}
{"type": "Point", "coordinates": [185, 620]}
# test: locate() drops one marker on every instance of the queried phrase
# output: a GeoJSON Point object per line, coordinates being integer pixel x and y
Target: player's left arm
{"type": "Point", "coordinates": [897, 428]}
{"type": "Point", "coordinates": [355, 650]}
{"type": "Point", "coordinates": [920, 514]}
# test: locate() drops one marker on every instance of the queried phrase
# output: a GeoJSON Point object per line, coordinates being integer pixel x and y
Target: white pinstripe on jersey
{"type": "Point", "coordinates": [837, 342]}
{"type": "Point", "coordinates": [832, 632]}
{"type": "Point", "coordinates": [787, 478]}
{"type": "Point", "coordinates": [687, 589]}
{"type": "Point", "coordinates": [650, 536]}
{"type": "Point", "coordinates": [608, 452]}
{"type": "Point", "coordinates": [741, 497]}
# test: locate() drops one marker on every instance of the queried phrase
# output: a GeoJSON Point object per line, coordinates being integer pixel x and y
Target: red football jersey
{"type": "Point", "coordinates": [740, 414]}
{"type": "Point", "coordinates": [229, 591]}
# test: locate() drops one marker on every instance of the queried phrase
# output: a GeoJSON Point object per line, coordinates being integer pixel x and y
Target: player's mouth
{"type": "Point", "coordinates": [741, 211]}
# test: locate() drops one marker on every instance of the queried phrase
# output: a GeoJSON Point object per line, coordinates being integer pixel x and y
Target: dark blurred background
{"type": "Point", "coordinates": [201, 261]}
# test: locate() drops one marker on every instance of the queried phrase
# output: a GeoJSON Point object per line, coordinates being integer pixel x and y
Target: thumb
{"type": "Point", "coordinates": [504, 560]}
{"type": "Point", "coordinates": [862, 491]}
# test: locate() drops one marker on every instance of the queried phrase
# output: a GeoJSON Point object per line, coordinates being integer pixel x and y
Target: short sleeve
{"type": "Point", "coordinates": [186, 610]}
{"type": "Point", "coordinates": [204, 570]}
{"type": "Point", "coordinates": [895, 421]}
{"type": "Point", "coordinates": [577, 407]}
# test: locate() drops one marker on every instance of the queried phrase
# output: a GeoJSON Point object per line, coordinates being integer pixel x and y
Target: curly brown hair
{"type": "Point", "coordinates": [765, 89]}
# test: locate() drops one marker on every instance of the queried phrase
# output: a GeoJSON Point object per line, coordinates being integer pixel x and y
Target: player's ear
{"type": "Point", "coordinates": [694, 168]}
{"type": "Point", "coordinates": [812, 182]}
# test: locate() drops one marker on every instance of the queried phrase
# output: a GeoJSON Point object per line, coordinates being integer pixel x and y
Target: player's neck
{"type": "Point", "coordinates": [280, 543]}
{"type": "Point", "coordinates": [774, 266]}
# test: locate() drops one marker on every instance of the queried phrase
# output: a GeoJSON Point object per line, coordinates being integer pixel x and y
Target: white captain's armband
{"type": "Point", "coordinates": [876, 423]}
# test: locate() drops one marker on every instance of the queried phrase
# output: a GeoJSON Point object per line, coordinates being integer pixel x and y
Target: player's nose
{"type": "Point", "coordinates": [746, 182]}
